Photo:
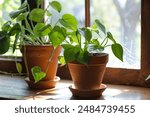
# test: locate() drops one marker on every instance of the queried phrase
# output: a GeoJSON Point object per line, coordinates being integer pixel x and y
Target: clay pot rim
{"type": "Point", "coordinates": [45, 45]}
{"type": "Point", "coordinates": [102, 55]}
{"type": "Point", "coordinates": [98, 54]}
{"type": "Point", "coordinates": [56, 79]}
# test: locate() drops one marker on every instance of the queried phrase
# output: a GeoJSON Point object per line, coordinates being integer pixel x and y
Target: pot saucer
{"type": "Point", "coordinates": [88, 93]}
{"type": "Point", "coordinates": [42, 84]}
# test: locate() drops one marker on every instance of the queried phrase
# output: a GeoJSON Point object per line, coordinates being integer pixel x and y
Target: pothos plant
{"type": "Point", "coordinates": [89, 41]}
{"type": "Point", "coordinates": [35, 27]}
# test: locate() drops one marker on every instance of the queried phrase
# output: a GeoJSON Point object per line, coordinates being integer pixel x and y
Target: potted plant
{"type": "Point", "coordinates": [39, 41]}
{"type": "Point", "coordinates": [83, 52]}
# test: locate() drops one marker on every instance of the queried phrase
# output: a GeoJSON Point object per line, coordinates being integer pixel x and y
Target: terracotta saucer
{"type": "Point", "coordinates": [88, 93]}
{"type": "Point", "coordinates": [42, 84]}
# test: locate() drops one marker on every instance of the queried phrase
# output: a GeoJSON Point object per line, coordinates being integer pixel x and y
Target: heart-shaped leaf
{"type": "Point", "coordinates": [16, 13]}
{"type": "Point", "coordinates": [57, 35]}
{"type": "Point", "coordinates": [19, 67]}
{"type": "Point", "coordinates": [4, 42]}
{"type": "Point", "coordinates": [117, 50]}
{"type": "Point", "coordinates": [71, 53]}
{"type": "Point", "coordinates": [56, 5]}
{"type": "Point", "coordinates": [100, 26]}
{"type": "Point", "coordinates": [15, 29]}
{"type": "Point", "coordinates": [86, 33]}
{"type": "Point", "coordinates": [110, 36]}
{"type": "Point", "coordinates": [6, 27]}
{"type": "Point", "coordinates": [37, 15]}
{"type": "Point", "coordinates": [37, 73]}
{"type": "Point", "coordinates": [69, 21]}
{"type": "Point", "coordinates": [41, 29]}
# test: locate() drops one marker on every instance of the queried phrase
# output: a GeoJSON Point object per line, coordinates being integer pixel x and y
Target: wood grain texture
{"type": "Point", "coordinates": [12, 87]}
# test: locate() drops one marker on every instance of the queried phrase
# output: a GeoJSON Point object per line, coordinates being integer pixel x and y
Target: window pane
{"type": "Point", "coordinates": [75, 7]}
{"type": "Point", "coordinates": [122, 17]}
{"type": "Point", "coordinates": [7, 6]}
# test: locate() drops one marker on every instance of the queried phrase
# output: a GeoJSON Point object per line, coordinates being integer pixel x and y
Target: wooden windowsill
{"type": "Point", "coordinates": [14, 87]}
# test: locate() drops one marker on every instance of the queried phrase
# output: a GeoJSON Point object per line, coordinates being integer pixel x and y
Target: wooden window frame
{"type": "Point", "coordinates": [112, 75]}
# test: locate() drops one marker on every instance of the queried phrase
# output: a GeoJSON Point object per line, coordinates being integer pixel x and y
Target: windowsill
{"type": "Point", "coordinates": [14, 87]}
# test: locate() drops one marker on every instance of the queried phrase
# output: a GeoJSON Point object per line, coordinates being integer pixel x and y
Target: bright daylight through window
{"type": "Point", "coordinates": [123, 20]}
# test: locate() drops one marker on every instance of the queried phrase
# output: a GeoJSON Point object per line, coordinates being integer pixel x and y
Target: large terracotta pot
{"type": "Point", "coordinates": [89, 77]}
{"type": "Point", "coordinates": [39, 56]}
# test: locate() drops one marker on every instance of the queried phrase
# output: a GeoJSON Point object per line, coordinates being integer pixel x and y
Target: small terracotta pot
{"type": "Point", "coordinates": [39, 56]}
{"type": "Point", "coordinates": [89, 77]}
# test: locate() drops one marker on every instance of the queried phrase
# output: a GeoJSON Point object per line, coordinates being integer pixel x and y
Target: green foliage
{"type": "Point", "coordinates": [82, 43]}
{"type": "Point", "coordinates": [35, 30]}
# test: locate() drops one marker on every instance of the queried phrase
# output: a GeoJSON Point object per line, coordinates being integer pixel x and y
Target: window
{"type": "Point", "coordinates": [113, 75]}
{"type": "Point", "coordinates": [124, 23]}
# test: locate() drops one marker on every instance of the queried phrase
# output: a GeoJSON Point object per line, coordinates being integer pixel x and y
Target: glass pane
{"type": "Point", "coordinates": [75, 7]}
{"type": "Point", "coordinates": [122, 18]}
{"type": "Point", "coordinates": [7, 6]}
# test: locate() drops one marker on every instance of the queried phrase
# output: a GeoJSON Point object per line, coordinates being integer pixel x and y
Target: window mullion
{"type": "Point", "coordinates": [87, 13]}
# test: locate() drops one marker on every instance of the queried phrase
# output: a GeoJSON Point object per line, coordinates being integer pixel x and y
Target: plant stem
{"type": "Point", "coordinates": [104, 41]}
{"type": "Point", "coordinates": [49, 60]}
{"type": "Point", "coordinates": [12, 74]}
{"type": "Point", "coordinates": [25, 60]}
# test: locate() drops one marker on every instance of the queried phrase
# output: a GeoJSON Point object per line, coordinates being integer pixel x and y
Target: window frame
{"type": "Point", "coordinates": [112, 75]}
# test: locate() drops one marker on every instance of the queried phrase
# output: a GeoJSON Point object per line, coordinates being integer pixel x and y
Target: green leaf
{"type": "Point", "coordinates": [62, 60]}
{"type": "Point", "coordinates": [15, 42]}
{"type": "Point", "coordinates": [95, 46]}
{"type": "Point", "coordinates": [117, 51]}
{"type": "Point", "coordinates": [86, 33]}
{"type": "Point", "coordinates": [41, 29]}
{"type": "Point", "coordinates": [69, 21]}
{"type": "Point", "coordinates": [56, 5]}
{"type": "Point", "coordinates": [83, 57]}
{"type": "Point", "coordinates": [19, 67]}
{"type": "Point", "coordinates": [6, 26]}
{"type": "Point", "coordinates": [57, 35]}
{"type": "Point", "coordinates": [66, 46]}
{"type": "Point", "coordinates": [37, 73]}
{"type": "Point", "coordinates": [23, 5]}
{"type": "Point", "coordinates": [110, 36]}
{"type": "Point", "coordinates": [71, 53]}
{"type": "Point", "coordinates": [4, 42]}
{"type": "Point", "coordinates": [148, 77]}
{"type": "Point", "coordinates": [94, 41]}
{"type": "Point", "coordinates": [16, 13]}
{"type": "Point", "coordinates": [15, 29]}
{"type": "Point", "coordinates": [100, 26]}
{"type": "Point", "coordinates": [22, 16]}
{"type": "Point", "coordinates": [73, 37]}
{"type": "Point", "coordinates": [37, 15]}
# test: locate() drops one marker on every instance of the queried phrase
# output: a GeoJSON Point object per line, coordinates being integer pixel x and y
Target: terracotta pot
{"type": "Point", "coordinates": [89, 77]}
{"type": "Point", "coordinates": [39, 56]}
